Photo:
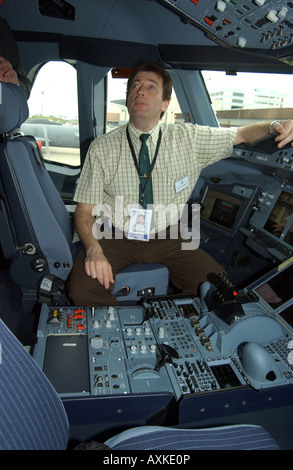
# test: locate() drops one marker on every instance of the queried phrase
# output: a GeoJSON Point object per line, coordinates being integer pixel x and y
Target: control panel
{"type": "Point", "coordinates": [173, 344]}
{"type": "Point", "coordinates": [262, 212]}
{"type": "Point", "coordinates": [266, 154]}
{"type": "Point", "coordinates": [269, 230]}
{"type": "Point", "coordinates": [252, 24]}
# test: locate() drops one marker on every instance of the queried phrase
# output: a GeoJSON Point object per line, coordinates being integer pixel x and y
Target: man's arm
{"type": "Point", "coordinates": [251, 133]}
{"type": "Point", "coordinates": [96, 264]}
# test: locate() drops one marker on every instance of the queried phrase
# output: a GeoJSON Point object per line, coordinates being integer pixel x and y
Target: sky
{"type": "Point", "coordinates": [276, 83]}
{"type": "Point", "coordinates": [48, 99]}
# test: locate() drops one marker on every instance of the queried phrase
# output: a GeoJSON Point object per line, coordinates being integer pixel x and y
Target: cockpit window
{"type": "Point", "coordinates": [53, 113]}
{"type": "Point", "coordinates": [245, 98]}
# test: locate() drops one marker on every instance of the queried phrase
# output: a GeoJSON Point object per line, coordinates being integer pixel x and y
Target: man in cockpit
{"type": "Point", "coordinates": [112, 179]}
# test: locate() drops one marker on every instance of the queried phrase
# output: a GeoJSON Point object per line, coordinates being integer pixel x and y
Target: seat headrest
{"type": "Point", "coordinates": [13, 107]}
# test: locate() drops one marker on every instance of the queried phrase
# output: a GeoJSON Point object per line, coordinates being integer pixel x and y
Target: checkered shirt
{"type": "Point", "coordinates": [109, 177]}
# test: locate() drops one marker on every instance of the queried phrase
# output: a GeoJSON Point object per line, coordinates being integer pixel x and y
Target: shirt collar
{"type": "Point", "coordinates": [135, 133]}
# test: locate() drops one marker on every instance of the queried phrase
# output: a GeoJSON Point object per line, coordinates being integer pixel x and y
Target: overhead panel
{"type": "Point", "coordinates": [247, 24]}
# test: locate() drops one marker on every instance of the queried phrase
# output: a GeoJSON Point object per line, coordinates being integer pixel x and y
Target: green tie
{"type": "Point", "coordinates": [145, 190]}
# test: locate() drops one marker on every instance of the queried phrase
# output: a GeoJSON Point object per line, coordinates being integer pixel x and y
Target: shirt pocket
{"type": "Point", "coordinates": [178, 188]}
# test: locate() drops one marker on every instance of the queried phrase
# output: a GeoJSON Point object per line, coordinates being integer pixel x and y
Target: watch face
{"type": "Point", "coordinates": [272, 127]}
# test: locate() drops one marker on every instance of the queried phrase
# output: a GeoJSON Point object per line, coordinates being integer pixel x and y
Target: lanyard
{"type": "Point", "coordinates": [136, 162]}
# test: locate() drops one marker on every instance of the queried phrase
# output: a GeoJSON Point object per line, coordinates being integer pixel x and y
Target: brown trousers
{"type": "Point", "coordinates": [187, 268]}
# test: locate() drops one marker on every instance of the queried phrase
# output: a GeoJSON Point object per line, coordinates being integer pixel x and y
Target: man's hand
{"type": "Point", "coordinates": [96, 264]}
{"type": "Point", "coordinates": [285, 131]}
{"type": "Point", "coordinates": [97, 267]}
{"type": "Point", "coordinates": [7, 73]}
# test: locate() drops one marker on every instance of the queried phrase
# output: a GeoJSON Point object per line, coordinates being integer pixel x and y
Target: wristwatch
{"type": "Point", "coordinates": [272, 130]}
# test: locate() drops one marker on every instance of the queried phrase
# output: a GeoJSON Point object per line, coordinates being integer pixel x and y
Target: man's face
{"type": "Point", "coordinates": [145, 99]}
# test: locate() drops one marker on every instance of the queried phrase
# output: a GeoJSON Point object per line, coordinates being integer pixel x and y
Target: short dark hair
{"type": "Point", "coordinates": [148, 66]}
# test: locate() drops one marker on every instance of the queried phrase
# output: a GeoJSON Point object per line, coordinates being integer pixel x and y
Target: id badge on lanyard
{"type": "Point", "coordinates": [140, 224]}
